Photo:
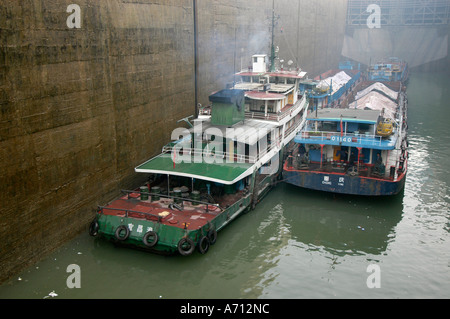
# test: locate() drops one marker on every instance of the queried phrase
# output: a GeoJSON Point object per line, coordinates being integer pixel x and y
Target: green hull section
{"type": "Point", "coordinates": [163, 237]}
{"type": "Point", "coordinates": [175, 224]}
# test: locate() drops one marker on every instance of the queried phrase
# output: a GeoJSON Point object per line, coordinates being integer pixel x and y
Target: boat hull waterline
{"type": "Point", "coordinates": [343, 184]}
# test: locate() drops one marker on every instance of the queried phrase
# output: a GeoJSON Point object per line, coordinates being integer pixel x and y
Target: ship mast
{"type": "Point", "coordinates": [272, 56]}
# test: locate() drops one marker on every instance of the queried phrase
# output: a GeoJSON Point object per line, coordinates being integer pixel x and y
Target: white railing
{"type": "Point", "coordinates": [292, 128]}
{"type": "Point", "coordinates": [199, 152]}
{"type": "Point", "coordinates": [259, 115]}
{"type": "Point", "coordinates": [262, 116]}
{"type": "Point", "coordinates": [366, 138]}
{"type": "Point", "coordinates": [213, 152]}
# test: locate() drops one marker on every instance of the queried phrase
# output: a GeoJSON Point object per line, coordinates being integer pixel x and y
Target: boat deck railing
{"type": "Point", "coordinates": [277, 117]}
{"type": "Point", "coordinates": [292, 128]}
{"type": "Point", "coordinates": [198, 152]}
{"type": "Point", "coordinates": [366, 138]}
{"type": "Point", "coordinates": [260, 115]}
{"type": "Point", "coordinates": [341, 167]}
{"type": "Point", "coordinates": [236, 157]}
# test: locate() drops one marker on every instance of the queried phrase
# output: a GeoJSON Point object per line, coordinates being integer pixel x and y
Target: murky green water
{"type": "Point", "coordinates": [297, 243]}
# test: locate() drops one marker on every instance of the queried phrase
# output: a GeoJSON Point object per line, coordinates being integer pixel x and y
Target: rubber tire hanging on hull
{"type": "Point", "coordinates": [203, 245]}
{"type": "Point", "coordinates": [212, 236]}
{"type": "Point", "coordinates": [146, 238]}
{"type": "Point", "coordinates": [93, 228]}
{"type": "Point", "coordinates": [119, 230]}
{"type": "Point", "coordinates": [181, 246]}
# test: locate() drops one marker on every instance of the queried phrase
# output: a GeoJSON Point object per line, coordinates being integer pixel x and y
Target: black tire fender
{"type": "Point", "coordinates": [203, 245]}
{"type": "Point", "coordinates": [149, 235]}
{"type": "Point", "coordinates": [93, 228]}
{"type": "Point", "coordinates": [212, 236]}
{"type": "Point", "coordinates": [182, 249]}
{"type": "Point", "coordinates": [119, 230]}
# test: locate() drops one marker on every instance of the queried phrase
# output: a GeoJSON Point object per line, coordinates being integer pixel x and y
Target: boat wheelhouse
{"type": "Point", "coordinates": [343, 151]}
{"type": "Point", "coordinates": [389, 70]}
{"type": "Point", "coordinates": [273, 95]}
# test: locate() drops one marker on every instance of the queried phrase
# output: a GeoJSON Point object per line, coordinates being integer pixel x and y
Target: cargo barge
{"type": "Point", "coordinates": [358, 150]}
{"type": "Point", "coordinates": [389, 70]}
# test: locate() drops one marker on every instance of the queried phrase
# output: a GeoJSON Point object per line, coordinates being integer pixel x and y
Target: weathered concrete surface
{"type": "Point", "coordinates": [229, 32]}
{"type": "Point", "coordinates": [415, 44]}
{"type": "Point", "coordinates": [80, 108]}
{"type": "Point", "coordinates": [317, 28]}
{"type": "Point", "coordinates": [310, 33]}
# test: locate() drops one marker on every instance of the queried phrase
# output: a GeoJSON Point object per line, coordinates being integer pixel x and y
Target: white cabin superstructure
{"type": "Point", "coordinates": [273, 96]}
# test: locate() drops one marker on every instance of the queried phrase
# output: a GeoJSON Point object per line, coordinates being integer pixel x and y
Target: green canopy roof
{"type": "Point", "coordinates": [225, 173]}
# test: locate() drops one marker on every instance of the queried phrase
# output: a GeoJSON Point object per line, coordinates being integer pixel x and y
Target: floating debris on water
{"type": "Point", "coordinates": [52, 294]}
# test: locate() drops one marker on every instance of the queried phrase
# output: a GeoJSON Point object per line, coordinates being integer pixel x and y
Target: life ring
{"type": "Point", "coordinates": [203, 245]}
{"type": "Point", "coordinates": [119, 230]}
{"type": "Point", "coordinates": [149, 235]}
{"type": "Point", "coordinates": [211, 207]}
{"type": "Point", "coordinates": [186, 246]}
{"type": "Point", "coordinates": [212, 236]}
{"type": "Point", "coordinates": [352, 171]}
{"type": "Point", "coordinates": [93, 228]}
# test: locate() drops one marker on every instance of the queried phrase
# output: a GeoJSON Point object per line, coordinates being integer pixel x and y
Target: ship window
{"type": "Point", "coordinates": [364, 127]}
{"type": "Point", "coordinates": [328, 126]}
{"type": "Point", "coordinates": [290, 81]}
{"type": "Point", "coordinates": [275, 80]}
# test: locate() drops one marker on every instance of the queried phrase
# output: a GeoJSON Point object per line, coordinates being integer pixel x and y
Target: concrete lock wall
{"type": "Point", "coordinates": [87, 93]}
{"type": "Point", "coordinates": [418, 45]}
